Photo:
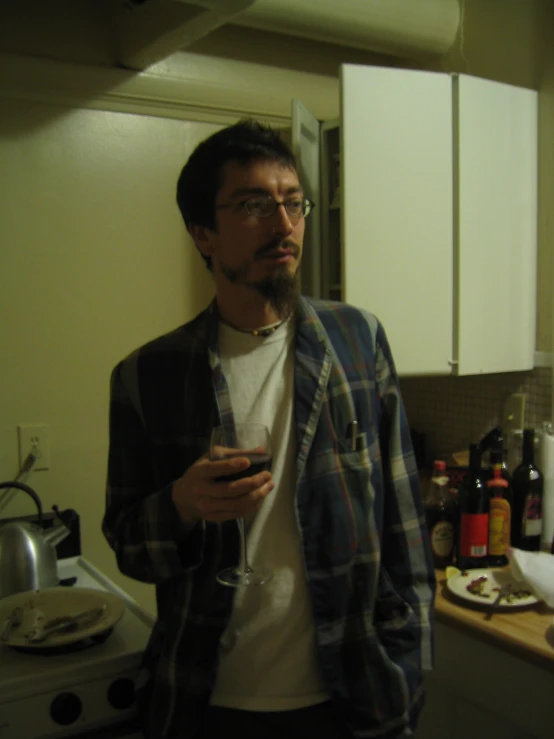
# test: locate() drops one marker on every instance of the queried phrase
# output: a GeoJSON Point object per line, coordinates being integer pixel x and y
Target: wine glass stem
{"type": "Point", "coordinates": [243, 565]}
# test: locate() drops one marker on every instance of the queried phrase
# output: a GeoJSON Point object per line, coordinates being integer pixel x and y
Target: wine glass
{"type": "Point", "coordinates": [250, 440]}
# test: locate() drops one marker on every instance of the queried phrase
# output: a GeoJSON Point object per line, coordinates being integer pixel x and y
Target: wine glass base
{"type": "Point", "coordinates": [234, 577]}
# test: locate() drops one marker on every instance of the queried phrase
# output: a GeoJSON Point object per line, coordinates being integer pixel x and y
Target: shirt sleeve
{"type": "Point", "coordinates": [141, 523]}
{"type": "Point", "coordinates": [407, 571]}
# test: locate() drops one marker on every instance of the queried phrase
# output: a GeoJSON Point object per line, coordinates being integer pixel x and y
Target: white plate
{"type": "Point", "coordinates": [41, 606]}
{"type": "Point", "coordinates": [496, 579]}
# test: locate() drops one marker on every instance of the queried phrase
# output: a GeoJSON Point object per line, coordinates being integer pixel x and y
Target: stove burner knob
{"type": "Point", "coordinates": [66, 708]}
{"type": "Point", "coordinates": [121, 694]}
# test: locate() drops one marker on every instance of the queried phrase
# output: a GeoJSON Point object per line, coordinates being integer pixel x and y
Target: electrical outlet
{"type": "Point", "coordinates": [514, 414]}
{"type": "Point", "coordinates": [34, 438]}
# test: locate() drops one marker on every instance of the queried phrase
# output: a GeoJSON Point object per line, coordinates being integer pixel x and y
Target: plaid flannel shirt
{"type": "Point", "coordinates": [368, 565]}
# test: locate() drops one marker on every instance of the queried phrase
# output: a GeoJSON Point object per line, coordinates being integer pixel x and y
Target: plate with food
{"type": "Point", "coordinates": [57, 617]}
{"type": "Point", "coordinates": [483, 586]}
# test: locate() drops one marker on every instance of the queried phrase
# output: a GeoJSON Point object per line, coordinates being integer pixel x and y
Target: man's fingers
{"type": "Point", "coordinates": [200, 494]}
{"type": "Point", "coordinates": [223, 490]}
{"type": "Point", "coordinates": [233, 507]}
{"type": "Point", "coordinates": [247, 484]}
{"type": "Point", "coordinates": [222, 467]}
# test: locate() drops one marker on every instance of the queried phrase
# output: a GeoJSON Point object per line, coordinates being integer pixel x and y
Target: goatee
{"type": "Point", "coordinates": [281, 290]}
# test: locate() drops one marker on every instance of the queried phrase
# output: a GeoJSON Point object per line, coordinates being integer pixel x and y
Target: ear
{"type": "Point", "coordinates": [203, 238]}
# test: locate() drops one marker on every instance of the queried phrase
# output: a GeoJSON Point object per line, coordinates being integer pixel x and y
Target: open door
{"type": "Point", "coordinates": [306, 148]}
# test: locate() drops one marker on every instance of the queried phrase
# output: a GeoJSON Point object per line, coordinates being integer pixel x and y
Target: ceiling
{"type": "Point", "coordinates": [137, 33]}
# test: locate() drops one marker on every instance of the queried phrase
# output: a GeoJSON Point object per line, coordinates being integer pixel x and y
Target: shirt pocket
{"type": "Point", "coordinates": [355, 466]}
{"type": "Point", "coordinates": [347, 530]}
{"type": "Point", "coordinates": [356, 445]}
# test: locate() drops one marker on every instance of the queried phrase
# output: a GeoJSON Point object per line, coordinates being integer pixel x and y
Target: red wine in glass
{"type": "Point", "coordinates": [250, 440]}
{"type": "Point", "coordinates": [258, 463]}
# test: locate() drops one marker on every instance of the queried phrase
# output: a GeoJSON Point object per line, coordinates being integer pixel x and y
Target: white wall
{"type": "Point", "coordinates": [94, 260]}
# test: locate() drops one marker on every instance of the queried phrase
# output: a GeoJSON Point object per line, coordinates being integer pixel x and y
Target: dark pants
{"type": "Point", "coordinates": [318, 721]}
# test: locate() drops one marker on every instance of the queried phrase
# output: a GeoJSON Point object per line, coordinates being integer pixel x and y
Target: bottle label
{"type": "Point", "coordinates": [442, 538]}
{"type": "Point", "coordinates": [474, 534]}
{"type": "Point", "coordinates": [499, 526]}
{"type": "Point", "coordinates": [532, 515]}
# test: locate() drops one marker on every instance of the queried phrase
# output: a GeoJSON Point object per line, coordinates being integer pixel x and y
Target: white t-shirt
{"type": "Point", "coordinates": [267, 654]}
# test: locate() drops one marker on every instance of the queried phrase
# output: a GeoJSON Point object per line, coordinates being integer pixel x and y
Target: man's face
{"type": "Point", "coordinates": [248, 250]}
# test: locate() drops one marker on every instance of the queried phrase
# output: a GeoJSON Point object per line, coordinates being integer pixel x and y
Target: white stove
{"type": "Point", "coordinates": [87, 693]}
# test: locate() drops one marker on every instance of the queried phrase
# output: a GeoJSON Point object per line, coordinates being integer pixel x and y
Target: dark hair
{"type": "Point", "coordinates": [201, 177]}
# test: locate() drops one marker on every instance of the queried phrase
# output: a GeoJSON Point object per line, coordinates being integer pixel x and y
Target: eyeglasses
{"type": "Point", "coordinates": [264, 206]}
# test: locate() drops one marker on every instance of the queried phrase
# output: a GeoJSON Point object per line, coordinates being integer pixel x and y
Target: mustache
{"type": "Point", "coordinates": [276, 244]}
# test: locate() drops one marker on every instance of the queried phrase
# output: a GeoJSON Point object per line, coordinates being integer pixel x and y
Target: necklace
{"type": "Point", "coordinates": [263, 331]}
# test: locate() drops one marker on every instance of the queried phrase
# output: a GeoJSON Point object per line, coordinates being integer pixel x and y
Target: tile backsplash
{"type": "Point", "coordinates": [454, 412]}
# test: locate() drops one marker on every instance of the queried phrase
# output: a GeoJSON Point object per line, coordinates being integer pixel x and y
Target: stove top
{"type": "Point", "coordinates": [47, 690]}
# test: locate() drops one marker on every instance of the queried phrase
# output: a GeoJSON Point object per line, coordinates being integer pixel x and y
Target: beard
{"type": "Point", "coordinates": [280, 288]}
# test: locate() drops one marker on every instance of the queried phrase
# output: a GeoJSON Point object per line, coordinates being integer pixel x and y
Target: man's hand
{"type": "Point", "coordinates": [199, 495]}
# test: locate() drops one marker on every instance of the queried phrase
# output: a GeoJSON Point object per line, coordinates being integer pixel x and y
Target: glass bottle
{"type": "Point", "coordinates": [474, 515]}
{"type": "Point", "coordinates": [496, 456]}
{"type": "Point", "coordinates": [527, 484]}
{"type": "Point", "coordinates": [440, 512]}
{"type": "Point", "coordinates": [500, 514]}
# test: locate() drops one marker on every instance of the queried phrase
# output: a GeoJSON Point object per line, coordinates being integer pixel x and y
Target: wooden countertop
{"type": "Point", "coordinates": [526, 632]}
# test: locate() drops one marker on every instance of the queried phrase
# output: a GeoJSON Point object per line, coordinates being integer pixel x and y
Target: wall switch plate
{"type": "Point", "coordinates": [514, 414]}
{"type": "Point", "coordinates": [35, 438]}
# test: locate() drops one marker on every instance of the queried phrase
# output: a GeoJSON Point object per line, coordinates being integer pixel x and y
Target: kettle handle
{"type": "Point", "coordinates": [29, 491]}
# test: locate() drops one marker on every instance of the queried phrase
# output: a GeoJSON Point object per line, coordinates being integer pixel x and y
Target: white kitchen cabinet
{"type": "Point", "coordinates": [434, 225]}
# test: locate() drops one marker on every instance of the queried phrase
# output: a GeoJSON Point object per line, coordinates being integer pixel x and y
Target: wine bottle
{"type": "Point", "coordinates": [440, 512]}
{"type": "Point", "coordinates": [527, 484]}
{"type": "Point", "coordinates": [500, 512]}
{"type": "Point", "coordinates": [474, 515]}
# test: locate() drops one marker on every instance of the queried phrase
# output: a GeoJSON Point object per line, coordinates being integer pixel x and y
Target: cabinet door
{"type": "Point", "coordinates": [496, 240]}
{"type": "Point", "coordinates": [397, 225]}
{"type": "Point", "coordinates": [438, 718]}
{"type": "Point", "coordinates": [306, 148]}
{"type": "Point", "coordinates": [479, 722]}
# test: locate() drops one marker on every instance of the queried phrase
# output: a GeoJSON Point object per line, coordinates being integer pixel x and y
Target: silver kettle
{"type": "Point", "coordinates": [27, 551]}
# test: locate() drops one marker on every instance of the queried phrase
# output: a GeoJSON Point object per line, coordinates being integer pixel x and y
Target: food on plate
{"type": "Point", "coordinates": [514, 595]}
{"type": "Point", "coordinates": [489, 588]}
{"type": "Point", "coordinates": [476, 587]}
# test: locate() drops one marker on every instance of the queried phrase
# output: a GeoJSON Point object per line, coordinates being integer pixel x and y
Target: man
{"type": "Point", "coordinates": [333, 646]}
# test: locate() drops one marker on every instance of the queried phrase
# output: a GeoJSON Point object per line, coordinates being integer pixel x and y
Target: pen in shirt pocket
{"type": "Point", "coordinates": [352, 431]}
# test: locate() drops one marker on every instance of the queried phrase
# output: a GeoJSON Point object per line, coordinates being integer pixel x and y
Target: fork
{"type": "Point", "coordinates": [65, 625]}
{"type": "Point", "coordinates": [502, 593]}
